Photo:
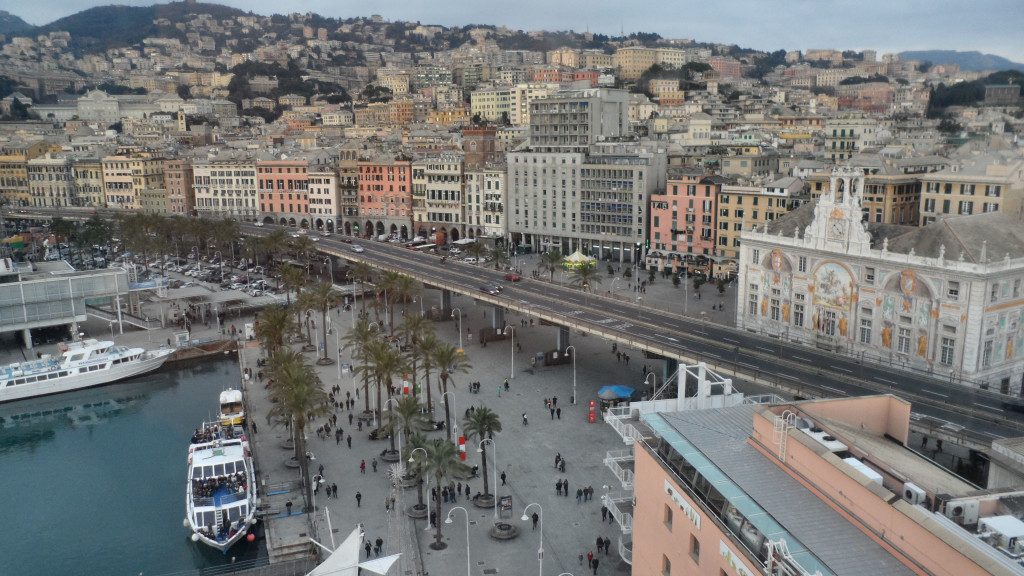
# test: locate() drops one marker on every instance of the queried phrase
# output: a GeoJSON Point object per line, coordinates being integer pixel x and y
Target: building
{"type": "Point", "coordinates": [491, 103]}
{"type": "Point", "coordinates": [848, 134]}
{"type": "Point", "coordinates": [751, 207]}
{"type": "Point", "coordinates": [324, 198]}
{"type": "Point", "coordinates": [485, 200]}
{"type": "Point", "coordinates": [983, 184]}
{"type": "Point", "coordinates": [385, 198]}
{"type": "Point", "coordinates": [438, 198]}
{"type": "Point", "coordinates": [348, 188]}
{"type": "Point", "coordinates": [825, 487]}
{"type": "Point", "coordinates": [225, 186]}
{"type": "Point", "coordinates": [284, 190]}
{"type": "Point", "coordinates": [572, 120]}
{"type": "Point", "coordinates": [944, 298]}
{"type": "Point", "coordinates": [51, 183]}
{"type": "Point", "coordinates": [683, 219]}
{"type": "Point", "coordinates": [181, 198]}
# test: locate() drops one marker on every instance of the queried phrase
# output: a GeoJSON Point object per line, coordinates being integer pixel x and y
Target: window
{"type": "Point", "coordinates": [903, 341]}
{"type": "Point", "coordinates": [986, 354]}
{"type": "Point", "coordinates": [865, 331]}
{"type": "Point", "coordinates": [666, 565]}
{"type": "Point", "coordinates": [946, 352]}
{"type": "Point", "coordinates": [668, 517]}
{"type": "Point", "coordinates": [752, 305]}
{"type": "Point", "coordinates": [869, 275]}
{"type": "Point", "coordinates": [966, 207]}
{"type": "Point", "coordinates": [798, 315]}
{"type": "Point", "coordinates": [757, 256]}
{"type": "Point", "coordinates": [775, 309]}
{"type": "Point", "coordinates": [801, 264]}
{"type": "Point", "coordinates": [929, 205]}
{"type": "Point", "coordinates": [695, 549]}
{"type": "Point", "coordinates": [1016, 288]}
{"type": "Point", "coordinates": [953, 290]}
{"type": "Point", "coordinates": [828, 322]}
{"type": "Point", "coordinates": [995, 292]}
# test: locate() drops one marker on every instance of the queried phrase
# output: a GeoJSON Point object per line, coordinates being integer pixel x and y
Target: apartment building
{"type": "Point", "coordinates": [485, 200]}
{"type": "Point", "coordinates": [683, 219]}
{"type": "Point", "coordinates": [520, 98]}
{"type": "Point", "coordinates": [51, 182]}
{"type": "Point", "coordinates": [846, 135]}
{"type": "Point", "coordinates": [942, 298]}
{"type": "Point", "coordinates": [181, 198]}
{"type": "Point", "coordinates": [989, 183]}
{"type": "Point", "coordinates": [572, 120]}
{"type": "Point", "coordinates": [283, 184]}
{"type": "Point", "coordinates": [890, 196]}
{"type": "Point", "coordinates": [385, 197]}
{"type": "Point", "coordinates": [225, 185]}
{"type": "Point", "coordinates": [438, 198]}
{"type": "Point", "coordinates": [88, 175]}
{"type": "Point", "coordinates": [14, 157]}
{"type": "Point", "coordinates": [117, 183]}
{"type": "Point", "coordinates": [348, 188]}
{"type": "Point", "coordinates": [491, 103]}
{"type": "Point", "coordinates": [324, 198]}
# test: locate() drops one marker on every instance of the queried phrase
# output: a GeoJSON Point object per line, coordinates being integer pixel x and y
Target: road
{"type": "Point", "coordinates": [800, 370]}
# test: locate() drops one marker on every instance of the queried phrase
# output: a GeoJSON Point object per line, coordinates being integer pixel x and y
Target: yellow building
{"type": "Point", "coordinates": [986, 184]}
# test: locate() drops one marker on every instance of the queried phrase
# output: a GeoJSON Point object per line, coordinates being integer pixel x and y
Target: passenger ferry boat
{"type": "Point", "coordinates": [232, 412]}
{"type": "Point", "coordinates": [80, 365]}
{"type": "Point", "coordinates": [220, 498]}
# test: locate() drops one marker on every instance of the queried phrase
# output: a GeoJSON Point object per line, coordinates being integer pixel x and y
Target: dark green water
{"type": "Point", "coordinates": [93, 482]}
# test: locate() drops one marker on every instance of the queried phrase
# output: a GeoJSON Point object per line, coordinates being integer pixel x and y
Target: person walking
{"type": "Point", "coordinates": [349, 440]}
{"type": "Point", "coordinates": [552, 413]}
{"type": "Point", "coordinates": [579, 495]}
{"type": "Point", "coordinates": [590, 557]}
{"type": "Point", "coordinates": [581, 558]}
{"type": "Point", "coordinates": [502, 477]}
{"type": "Point", "coordinates": [607, 544]}
{"type": "Point", "coordinates": [558, 487]}
{"type": "Point", "coordinates": [604, 513]}
{"type": "Point", "coordinates": [594, 565]}
{"type": "Point", "coordinates": [535, 519]}
{"type": "Point", "coordinates": [506, 384]}
{"type": "Point", "coordinates": [334, 491]}
{"type": "Point", "coordinates": [558, 412]}
{"type": "Point", "coordinates": [600, 544]}
{"type": "Point", "coordinates": [524, 419]}
{"type": "Point", "coordinates": [367, 547]}
{"type": "Point", "coordinates": [362, 467]}
{"type": "Point", "coordinates": [565, 485]}
{"type": "Point", "coordinates": [359, 499]}
{"type": "Point", "coordinates": [374, 465]}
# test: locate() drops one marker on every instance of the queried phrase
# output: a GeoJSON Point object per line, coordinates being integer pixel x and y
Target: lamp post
{"type": "Point", "coordinates": [510, 331]}
{"type": "Point", "coordinates": [448, 520]}
{"type": "Point", "coordinates": [411, 460]}
{"type": "Point", "coordinates": [454, 310]}
{"type": "Point", "coordinates": [494, 478]}
{"type": "Point", "coordinates": [455, 411]}
{"type": "Point", "coordinates": [654, 381]}
{"type": "Point", "coordinates": [573, 372]}
{"type": "Point", "coordinates": [540, 549]}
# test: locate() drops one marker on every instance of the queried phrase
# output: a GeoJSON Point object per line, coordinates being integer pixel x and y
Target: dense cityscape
{"type": "Point", "coordinates": [847, 208]}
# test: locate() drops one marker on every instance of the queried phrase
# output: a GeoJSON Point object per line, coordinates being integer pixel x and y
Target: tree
{"type": "Point", "coordinates": [406, 290]}
{"type": "Point", "coordinates": [297, 394]}
{"type": "Point", "coordinates": [322, 296]}
{"type": "Point", "coordinates": [499, 255]}
{"type": "Point", "coordinates": [476, 250]}
{"type": "Point", "coordinates": [720, 284]}
{"type": "Point", "coordinates": [363, 273]}
{"type": "Point", "coordinates": [293, 278]}
{"type": "Point", "coordinates": [481, 424]}
{"type": "Point", "coordinates": [949, 126]}
{"type": "Point", "coordinates": [585, 276]}
{"type": "Point", "coordinates": [359, 339]}
{"type": "Point", "coordinates": [423, 350]}
{"type": "Point", "coordinates": [449, 361]}
{"type": "Point", "coordinates": [441, 462]}
{"type": "Point", "coordinates": [63, 231]}
{"type": "Point", "coordinates": [416, 440]}
{"type": "Point", "coordinates": [551, 261]}
{"type": "Point", "coordinates": [274, 323]}
{"type": "Point", "coordinates": [405, 415]}
{"type": "Point", "coordinates": [385, 362]}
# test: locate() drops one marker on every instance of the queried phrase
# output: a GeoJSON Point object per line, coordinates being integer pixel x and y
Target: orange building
{"type": "Point", "coordinates": [284, 191]}
{"type": "Point", "coordinates": [385, 198]}
{"type": "Point", "coordinates": [683, 218]}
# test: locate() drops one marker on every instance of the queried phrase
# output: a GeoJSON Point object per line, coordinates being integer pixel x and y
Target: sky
{"type": "Point", "coordinates": [989, 26]}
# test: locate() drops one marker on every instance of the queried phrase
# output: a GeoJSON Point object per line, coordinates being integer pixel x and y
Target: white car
{"type": "Point", "coordinates": [357, 248]}
{"type": "Point", "coordinates": [258, 224]}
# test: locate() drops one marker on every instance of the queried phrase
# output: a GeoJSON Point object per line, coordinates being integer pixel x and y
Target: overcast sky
{"type": "Point", "coordinates": [992, 26]}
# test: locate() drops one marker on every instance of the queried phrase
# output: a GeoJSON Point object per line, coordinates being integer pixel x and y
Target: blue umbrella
{"type": "Point", "coordinates": [614, 392]}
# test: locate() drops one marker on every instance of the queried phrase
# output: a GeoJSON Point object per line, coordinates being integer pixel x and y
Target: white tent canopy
{"type": "Point", "coordinates": [344, 561]}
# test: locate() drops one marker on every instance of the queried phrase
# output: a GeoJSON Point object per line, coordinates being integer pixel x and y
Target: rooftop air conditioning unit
{"type": "Point", "coordinates": [963, 512]}
{"type": "Point", "coordinates": [913, 493]}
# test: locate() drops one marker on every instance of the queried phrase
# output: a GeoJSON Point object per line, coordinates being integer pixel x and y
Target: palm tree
{"type": "Point", "coordinates": [441, 462]}
{"type": "Point", "coordinates": [363, 273]}
{"type": "Point", "coordinates": [388, 284]}
{"type": "Point", "coordinates": [499, 254]}
{"type": "Point", "coordinates": [297, 394]}
{"type": "Point", "coordinates": [585, 276]}
{"type": "Point", "coordinates": [384, 362]}
{"type": "Point", "coordinates": [414, 326]}
{"type": "Point", "coordinates": [274, 323]}
{"type": "Point", "coordinates": [424, 348]}
{"type": "Point", "coordinates": [406, 290]}
{"type": "Point", "coordinates": [404, 415]}
{"type": "Point", "coordinates": [293, 278]}
{"type": "Point", "coordinates": [276, 241]}
{"type": "Point", "coordinates": [449, 361]}
{"type": "Point", "coordinates": [476, 250]}
{"type": "Point", "coordinates": [321, 296]}
{"type": "Point", "coordinates": [482, 424]}
{"type": "Point", "coordinates": [551, 261]}
{"type": "Point", "coordinates": [360, 338]}
{"type": "Point", "coordinates": [416, 440]}
{"type": "Point", "coordinates": [304, 248]}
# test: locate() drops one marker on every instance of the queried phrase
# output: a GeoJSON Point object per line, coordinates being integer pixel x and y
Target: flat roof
{"type": "Point", "coordinates": [716, 442]}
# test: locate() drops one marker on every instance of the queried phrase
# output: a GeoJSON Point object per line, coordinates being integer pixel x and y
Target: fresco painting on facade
{"type": "Point", "coordinates": [832, 285]}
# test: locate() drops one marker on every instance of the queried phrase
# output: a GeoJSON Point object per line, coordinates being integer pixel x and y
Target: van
{"type": "Point", "coordinates": [470, 260]}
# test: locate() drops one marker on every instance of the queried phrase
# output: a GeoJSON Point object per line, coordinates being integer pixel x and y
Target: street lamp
{"type": "Point", "coordinates": [573, 372]}
{"type": "Point", "coordinates": [455, 411]}
{"type": "Point", "coordinates": [494, 477]}
{"type": "Point", "coordinates": [411, 461]}
{"type": "Point", "coordinates": [654, 381]}
{"type": "Point", "coordinates": [454, 310]}
{"type": "Point", "coordinates": [448, 520]}
{"type": "Point", "coordinates": [540, 550]}
{"type": "Point", "coordinates": [510, 331]}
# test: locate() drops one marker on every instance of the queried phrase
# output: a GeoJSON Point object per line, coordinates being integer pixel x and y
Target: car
{"type": "Point", "coordinates": [255, 292]}
{"type": "Point", "coordinates": [490, 289]}
{"type": "Point", "coordinates": [237, 286]}
{"type": "Point", "coordinates": [325, 234]}
{"type": "Point", "coordinates": [513, 277]}
{"type": "Point", "coordinates": [315, 239]}
{"type": "Point", "coordinates": [471, 260]}
{"type": "Point", "coordinates": [188, 284]}
{"type": "Point", "coordinates": [357, 248]}
{"type": "Point", "coordinates": [258, 224]}
{"type": "Point", "coordinates": [346, 240]}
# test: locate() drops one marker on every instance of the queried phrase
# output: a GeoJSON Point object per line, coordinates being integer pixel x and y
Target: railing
{"type": "Point", "coordinates": [622, 425]}
{"type": "Point", "coordinates": [626, 550]}
{"type": "Point", "coordinates": [228, 499]}
{"type": "Point", "coordinates": [614, 459]}
{"type": "Point", "coordinates": [625, 519]}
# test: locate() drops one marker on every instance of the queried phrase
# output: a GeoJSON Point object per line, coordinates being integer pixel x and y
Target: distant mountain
{"type": "Point", "coordinates": [966, 60]}
{"type": "Point", "coordinates": [11, 24]}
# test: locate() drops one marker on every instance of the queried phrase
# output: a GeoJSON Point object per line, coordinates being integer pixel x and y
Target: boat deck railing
{"type": "Point", "coordinates": [224, 500]}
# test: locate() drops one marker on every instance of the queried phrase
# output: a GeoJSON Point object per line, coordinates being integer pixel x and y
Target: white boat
{"type": "Point", "coordinates": [80, 365]}
{"type": "Point", "coordinates": [221, 495]}
{"type": "Point", "coordinates": [232, 411]}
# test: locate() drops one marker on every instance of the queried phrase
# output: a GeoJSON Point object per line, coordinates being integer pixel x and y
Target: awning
{"type": "Point", "coordinates": [615, 392]}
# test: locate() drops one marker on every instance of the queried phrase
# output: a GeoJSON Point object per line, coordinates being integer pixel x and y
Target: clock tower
{"type": "Point", "coordinates": [837, 223]}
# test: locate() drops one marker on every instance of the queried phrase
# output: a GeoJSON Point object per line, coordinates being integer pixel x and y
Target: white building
{"type": "Point", "coordinates": [944, 298]}
{"type": "Point", "coordinates": [324, 198]}
{"type": "Point", "coordinates": [485, 201]}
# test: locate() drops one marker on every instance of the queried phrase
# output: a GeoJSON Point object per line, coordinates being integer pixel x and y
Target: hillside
{"type": "Point", "coordinates": [11, 24]}
{"type": "Point", "coordinates": [966, 60]}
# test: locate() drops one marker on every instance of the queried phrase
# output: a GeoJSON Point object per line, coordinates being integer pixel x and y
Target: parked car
{"type": "Point", "coordinates": [258, 224]}
{"type": "Point", "coordinates": [470, 260]}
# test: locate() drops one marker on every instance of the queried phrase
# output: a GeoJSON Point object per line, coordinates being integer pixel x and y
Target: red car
{"type": "Point", "coordinates": [513, 277]}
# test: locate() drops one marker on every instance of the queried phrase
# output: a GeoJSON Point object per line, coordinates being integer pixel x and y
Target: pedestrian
{"type": "Point", "coordinates": [362, 467]}
{"type": "Point", "coordinates": [254, 428]}
{"type": "Point", "coordinates": [288, 505]}
{"type": "Point", "coordinates": [366, 546]}
{"type": "Point", "coordinates": [558, 412]}
{"type": "Point", "coordinates": [558, 487]}
{"type": "Point", "coordinates": [600, 544]}
{"type": "Point", "coordinates": [374, 465]}
{"type": "Point", "coordinates": [626, 357]}
{"type": "Point", "coordinates": [607, 545]}
{"type": "Point", "coordinates": [433, 519]}
{"type": "Point", "coordinates": [938, 445]}
{"type": "Point", "coordinates": [565, 486]}
{"type": "Point", "coordinates": [604, 513]}
{"type": "Point", "coordinates": [334, 491]}
{"type": "Point", "coordinates": [321, 470]}
{"type": "Point", "coordinates": [524, 418]}
{"type": "Point", "coordinates": [359, 499]}
{"type": "Point", "coordinates": [387, 504]}
{"type": "Point", "coordinates": [379, 546]}
{"type": "Point", "coordinates": [552, 413]}
{"type": "Point", "coordinates": [502, 477]}
{"type": "Point", "coordinates": [579, 495]}
{"type": "Point", "coordinates": [554, 401]}
{"type": "Point", "coordinates": [350, 419]}
{"type": "Point", "coordinates": [535, 519]}
{"type": "Point", "coordinates": [924, 442]}
{"type": "Point", "coordinates": [581, 558]}
{"type": "Point", "coordinates": [467, 490]}
{"type": "Point", "coordinates": [349, 440]}
{"type": "Point", "coordinates": [506, 384]}
{"type": "Point", "coordinates": [558, 458]}
{"type": "Point", "coordinates": [590, 557]}
{"type": "Point", "coordinates": [594, 565]}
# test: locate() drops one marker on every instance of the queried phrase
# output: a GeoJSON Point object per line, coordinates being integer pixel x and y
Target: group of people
{"type": "Point", "coordinates": [207, 487]}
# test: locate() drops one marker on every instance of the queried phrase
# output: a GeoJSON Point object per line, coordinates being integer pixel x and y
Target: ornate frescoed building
{"type": "Point", "coordinates": [945, 298]}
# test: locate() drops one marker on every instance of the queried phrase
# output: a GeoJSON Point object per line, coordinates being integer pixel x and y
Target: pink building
{"type": "Point", "coordinates": [385, 197]}
{"type": "Point", "coordinates": [683, 218]}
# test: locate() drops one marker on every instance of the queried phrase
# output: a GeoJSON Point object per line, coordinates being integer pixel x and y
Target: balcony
{"type": "Point", "coordinates": [620, 506]}
{"type": "Point", "coordinates": [621, 464]}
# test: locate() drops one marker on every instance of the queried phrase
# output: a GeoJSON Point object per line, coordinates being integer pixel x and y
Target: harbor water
{"type": "Point", "coordinates": [94, 480]}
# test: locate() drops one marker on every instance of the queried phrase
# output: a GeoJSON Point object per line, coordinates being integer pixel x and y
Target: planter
{"type": "Point", "coordinates": [416, 511]}
{"type": "Point", "coordinates": [288, 444]}
{"type": "Point", "coordinates": [484, 501]}
{"type": "Point", "coordinates": [324, 362]}
{"type": "Point", "coordinates": [391, 456]}
{"type": "Point", "coordinates": [503, 531]}
{"type": "Point", "coordinates": [292, 462]}
{"type": "Point", "coordinates": [309, 348]}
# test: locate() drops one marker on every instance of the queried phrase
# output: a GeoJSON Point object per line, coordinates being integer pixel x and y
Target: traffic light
{"type": "Point", "coordinates": [355, 227]}
{"type": "Point", "coordinates": [647, 244]}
